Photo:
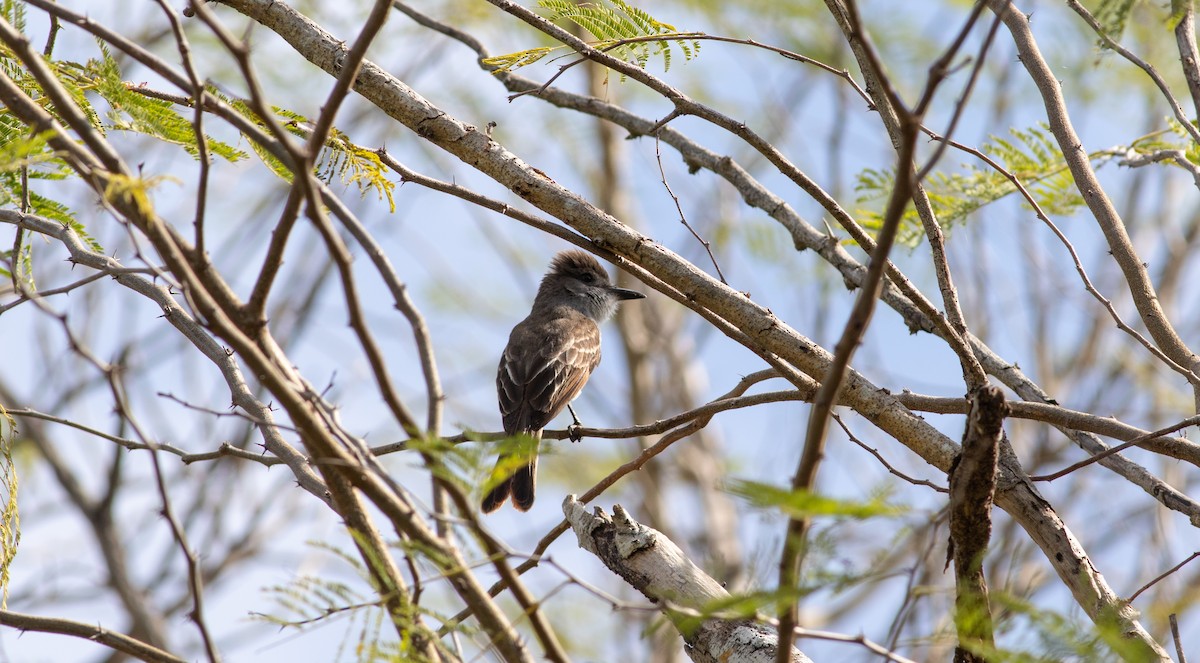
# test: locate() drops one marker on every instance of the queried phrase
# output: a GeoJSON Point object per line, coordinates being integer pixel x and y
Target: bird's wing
{"type": "Point", "coordinates": [543, 369]}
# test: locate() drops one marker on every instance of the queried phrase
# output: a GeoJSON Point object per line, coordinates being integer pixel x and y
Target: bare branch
{"type": "Point", "coordinates": [1162, 576]}
{"type": "Point", "coordinates": [111, 639]}
{"type": "Point", "coordinates": [1176, 109]}
{"type": "Point", "coordinates": [1141, 288]}
{"type": "Point", "coordinates": [682, 217]}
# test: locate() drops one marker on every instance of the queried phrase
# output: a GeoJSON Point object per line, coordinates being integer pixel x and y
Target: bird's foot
{"type": "Point", "coordinates": [575, 430]}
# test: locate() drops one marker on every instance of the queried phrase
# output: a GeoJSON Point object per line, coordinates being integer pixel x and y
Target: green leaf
{"type": "Point", "coordinates": [803, 504]}
{"type": "Point", "coordinates": [19, 150]}
{"type": "Point", "coordinates": [14, 13]}
{"type": "Point", "coordinates": [355, 165]}
{"type": "Point", "coordinates": [10, 518]}
{"type": "Point", "coordinates": [156, 118]}
{"type": "Point", "coordinates": [1031, 155]}
{"type": "Point", "coordinates": [611, 22]}
{"type": "Point", "coordinates": [1113, 15]}
{"type": "Point", "coordinates": [510, 61]}
{"type": "Point", "coordinates": [340, 159]}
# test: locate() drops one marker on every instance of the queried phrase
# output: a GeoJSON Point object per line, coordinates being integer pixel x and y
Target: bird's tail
{"type": "Point", "coordinates": [520, 485]}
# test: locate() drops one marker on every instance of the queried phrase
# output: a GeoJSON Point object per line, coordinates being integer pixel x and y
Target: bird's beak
{"type": "Point", "coordinates": [623, 294]}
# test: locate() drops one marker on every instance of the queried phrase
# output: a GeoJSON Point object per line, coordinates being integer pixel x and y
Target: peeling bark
{"type": "Point", "coordinates": [652, 564]}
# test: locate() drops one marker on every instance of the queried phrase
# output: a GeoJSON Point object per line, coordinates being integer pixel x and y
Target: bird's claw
{"type": "Point", "coordinates": [575, 432]}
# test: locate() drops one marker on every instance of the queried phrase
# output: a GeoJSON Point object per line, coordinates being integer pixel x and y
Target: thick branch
{"type": "Point", "coordinates": [652, 564]}
{"type": "Point", "coordinates": [972, 489]}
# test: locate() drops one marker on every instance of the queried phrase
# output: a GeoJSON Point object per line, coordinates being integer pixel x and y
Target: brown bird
{"type": "Point", "coordinates": [549, 357]}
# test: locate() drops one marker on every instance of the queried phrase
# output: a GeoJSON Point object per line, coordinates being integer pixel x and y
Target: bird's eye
{"type": "Point", "coordinates": [587, 277]}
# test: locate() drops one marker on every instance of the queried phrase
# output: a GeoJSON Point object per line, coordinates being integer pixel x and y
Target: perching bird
{"type": "Point", "coordinates": [549, 356]}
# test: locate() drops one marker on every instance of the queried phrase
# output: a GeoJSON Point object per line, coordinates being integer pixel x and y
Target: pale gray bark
{"type": "Point", "coordinates": [652, 564]}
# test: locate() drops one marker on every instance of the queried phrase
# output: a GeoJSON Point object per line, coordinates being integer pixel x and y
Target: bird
{"type": "Point", "coordinates": [549, 357]}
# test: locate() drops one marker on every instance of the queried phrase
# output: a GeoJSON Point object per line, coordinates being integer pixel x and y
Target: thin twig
{"type": "Point", "coordinates": [1158, 80]}
{"type": "Point", "coordinates": [19, 239]}
{"type": "Point", "coordinates": [682, 217]}
{"type": "Point", "coordinates": [973, 374]}
{"type": "Point", "coordinates": [909, 122]}
{"type": "Point", "coordinates": [190, 329]}
{"type": "Point", "coordinates": [961, 104]}
{"type": "Point", "coordinates": [1078, 263]}
{"type": "Point", "coordinates": [1133, 268]}
{"type": "Point", "coordinates": [205, 164]}
{"type": "Point", "coordinates": [1173, 569]}
{"type": "Point", "coordinates": [595, 491]}
{"type": "Point", "coordinates": [1141, 439]}
{"type": "Point", "coordinates": [1174, 157]}
{"type": "Point", "coordinates": [888, 466]}
{"type": "Point", "coordinates": [1175, 636]}
{"type": "Point", "coordinates": [861, 640]}
{"type": "Point", "coordinates": [195, 576]}
{"type": "Point", "coordinates": [112, 639]}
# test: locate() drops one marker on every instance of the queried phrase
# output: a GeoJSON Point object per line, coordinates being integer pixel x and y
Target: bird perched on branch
{"type": "Point", "coordinates": [549, 357]}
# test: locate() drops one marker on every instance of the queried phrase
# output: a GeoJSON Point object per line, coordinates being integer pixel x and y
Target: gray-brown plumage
{"type": "Point", "coordinates": [549, 357]}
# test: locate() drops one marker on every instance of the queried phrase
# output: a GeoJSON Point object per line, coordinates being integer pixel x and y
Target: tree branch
{"type": "Point", "coordinates": [972, 489]}
{"type": "Point", "coordinates": [111, 639]}
{"type": "Point", "coordinates": [653, 565]}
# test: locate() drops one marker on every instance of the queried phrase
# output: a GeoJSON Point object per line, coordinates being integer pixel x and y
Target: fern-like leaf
{"type": "Point", "coordinates": [1113, 16]}
{"type": "Point", "coordinates": [10, 518]}
{"type": "Point", "coordinates": [340, 158]}
{"type": "Point", "coordinates": [356, 165]}
{"type": "Point", "coordinates": [136, 113]}
{"type": "Point", "coordinates": [14, 13]}
{"type": "Point", "coordinates": [1032, 155]}
{"type": "Point", "coordinates": [613, 23]}
{"type": "Point", "coordinates": [510, 61]}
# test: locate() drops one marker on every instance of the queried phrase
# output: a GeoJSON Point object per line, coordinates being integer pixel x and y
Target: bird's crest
{"type": "Point", "coordinates": [575, 262]}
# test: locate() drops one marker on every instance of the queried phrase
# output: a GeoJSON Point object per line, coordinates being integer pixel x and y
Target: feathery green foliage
{"type": "Point", "coordinates": [1061, 638]}
{"type": "Point", "coordinates": [20, 150]}
{"type": "Point", "coordinates": [316, 600]}
{"type": "Point", "coordinates": [1113, 16]}
{"type": "Point", "coordinates": [309, 600]}
{"type": "Point", "coordinates": [10, 519]}
{"type": "Point", "coordinates": [621, 29]}
{"type": "Point", "coordinates": [132, 112]}
{"type": "Point", "coordinates": [802, 504]}
{"type": "Point", "coordinates": [32, 154]}
{"type": "Point", "coordinates": [355, 165]}
{"type": "Point", "coordinates": [136, 113]}
{"type": "Point", "coordinates": [511, 61]}
{"type": "Point", "coordinates": [341, 158]}
{"type": "Point", "coordinates": [14, 13]}
{"type": "Point", "coordinates": [1031, 155]}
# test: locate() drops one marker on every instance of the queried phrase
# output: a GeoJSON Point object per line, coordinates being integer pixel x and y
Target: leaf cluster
{"type": "Point", "coordinates": [311, 601]}
{"type": "Point", "coordinates": [109, 103]}
{"type": "Point", "coordinates": [621, 29]}
{"type": "Point", "coordinates": [10, 519]}
{"type": "Point", "coordinates": [341, 158]}
{"type": "Point", "coordinates": [1030, 155]}
{"type": "Point", "coordinates": [1059, 637]}
{"type": "Point", "coordinates": [804, 504]}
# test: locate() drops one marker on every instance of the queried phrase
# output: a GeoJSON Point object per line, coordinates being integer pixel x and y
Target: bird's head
{"type": "Point", "coordinates": [578, 278]}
